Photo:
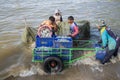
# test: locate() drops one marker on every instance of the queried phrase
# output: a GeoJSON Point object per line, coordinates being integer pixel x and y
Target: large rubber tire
{"type": "Point", "coordinates": [53, 65]}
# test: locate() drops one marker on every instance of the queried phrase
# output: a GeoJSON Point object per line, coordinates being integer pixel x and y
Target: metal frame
{"type": "Point", "coordinates": [83, 47]}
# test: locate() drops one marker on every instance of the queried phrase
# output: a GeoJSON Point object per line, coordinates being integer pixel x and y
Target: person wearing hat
{"type": "Point", "coordinates": [109, 41]}
{"type": "Point", "coordinates": [58, 16]}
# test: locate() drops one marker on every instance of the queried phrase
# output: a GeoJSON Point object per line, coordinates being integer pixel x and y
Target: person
{"type": "Point", "coordinates": [74, 31]}
{"type": "Point", "coordinates": [49, 23]}
{"type": "Point", "coordinates": [58, 16]}
{"type": "Point", "coordinates": [109, 42]}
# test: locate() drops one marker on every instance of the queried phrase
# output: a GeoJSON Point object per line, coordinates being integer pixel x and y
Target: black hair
{"type": "Point", "coordinates": [51, 18]}
{"type": "Point", "coordinates": [70, 18]}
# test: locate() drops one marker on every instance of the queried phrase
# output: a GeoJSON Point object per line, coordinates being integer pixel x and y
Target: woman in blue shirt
{"type": "Point", "coordinates": [109, 41]}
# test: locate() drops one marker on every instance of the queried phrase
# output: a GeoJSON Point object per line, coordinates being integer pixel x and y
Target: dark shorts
{"type": "Point", "coordinates": [109, 55]}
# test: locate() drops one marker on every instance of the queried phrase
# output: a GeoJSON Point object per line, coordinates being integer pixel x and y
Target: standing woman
{"type": "Point", "coordinates": [58, 16]}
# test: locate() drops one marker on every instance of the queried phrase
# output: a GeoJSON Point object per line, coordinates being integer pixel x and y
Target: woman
{"type": "Point", "coordinates": [109, 41]}
{"type": "Point", "coordinates": [58, 16]}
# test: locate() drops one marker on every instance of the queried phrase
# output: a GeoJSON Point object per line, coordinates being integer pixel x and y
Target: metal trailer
{"type": "Point", "coordinates": [55, 56]}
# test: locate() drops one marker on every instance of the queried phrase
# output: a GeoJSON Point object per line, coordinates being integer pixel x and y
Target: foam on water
{"type": "Point", "coordinates": [34, 69]}
{"type": "Point", "coordinates": [21, 71]}
{"type": "Point", "coordinates": [94, 64]}
{"type": "Point", "coordinates": [87, 61]}
{"type": "Point", "coordinates": [28, 72]}
{"type": "Point", "coordinates": [97, 68]}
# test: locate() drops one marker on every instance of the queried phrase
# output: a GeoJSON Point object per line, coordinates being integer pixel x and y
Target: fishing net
{"type": "Point", "coordinates": [63, 30]}
{"type": "Point", "coordinates": [29, 34]}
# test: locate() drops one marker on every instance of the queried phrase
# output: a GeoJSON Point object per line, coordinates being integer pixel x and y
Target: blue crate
{"type": "Point", "coordinates": [38, 52]}
{"type": "Point", "coordinates": [42, 50]}
{"type": "Point", "coordinates": [68, 43]}
{"type": "Point", "coordinates": [36, 58]}
{"type": "Point", "coordinates": [55, 43]}
{"type": "Point", "coordinates": [66, 55]}
{"type": "Point", "coordinates": [100, 55]}
{"type": "Point", "coordinates": [97, 45]}
{"type": "Point", "coordinates": [66, 58]}
{"type": "Point", "coordinates": [46, 42]}
{"type": "Point", "coordinates": [66, 52]}
{"type": "Point", "coordinates": [63, 44]}
{"type": "Point", "coordinates": [40, 58]}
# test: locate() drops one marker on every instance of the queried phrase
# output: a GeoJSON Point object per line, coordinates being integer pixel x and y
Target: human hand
{"type": "Point", "coordinates": [69, 35]}
{"type": "Point", "coordinates": [99, 42]}
{"type": "Point", "coordinates": [98, 26]}
{"type": "Point", "coordinates": [103, 47]}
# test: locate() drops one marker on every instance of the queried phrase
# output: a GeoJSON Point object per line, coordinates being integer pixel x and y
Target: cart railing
{"type": "Point", "coordinates": [66, 54]}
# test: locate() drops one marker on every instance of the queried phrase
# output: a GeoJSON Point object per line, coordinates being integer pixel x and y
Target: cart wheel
{"type": "Point", "coordinates": [52, 65]}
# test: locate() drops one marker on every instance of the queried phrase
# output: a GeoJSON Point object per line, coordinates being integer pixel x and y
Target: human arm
{"type": "Point", "coordinates": [76, 31]}
{"type": "Point", "coordinates": [38, 31]}
{"type": "Point", "coordinates": [43, 23]}
{"type": "Point", "coordinates": [104, 39]}
{"type": "Point", "coordinates": [55, 27]}
{"type": "Point", "coordinates": [100, 41]}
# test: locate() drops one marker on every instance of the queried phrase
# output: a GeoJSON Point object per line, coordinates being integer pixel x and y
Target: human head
{"type": "Point", "coordinates": [102, 24]}
{"type": "Point", "coordinates": [52, 19]}
{"type": "Point", "coordinates": [57, 12]}
{"type": "Point", "coordinates": [70, 19]}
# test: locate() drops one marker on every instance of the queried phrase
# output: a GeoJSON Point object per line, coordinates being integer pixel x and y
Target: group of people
{"type": "Point", "coordinates": [54, 20]}
{"type": "Point", "coordinates": [108, 39]}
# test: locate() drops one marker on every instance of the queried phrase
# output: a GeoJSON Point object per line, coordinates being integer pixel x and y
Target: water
{"type": "Point", "coordinates": [15, 57]}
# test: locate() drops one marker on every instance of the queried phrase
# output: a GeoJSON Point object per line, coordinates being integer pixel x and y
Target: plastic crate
{"type": "Point", "coordinates": [52, 47]}
{"type": "Point", "coordinates": [46, 42]}
{"type": "Point", "coordinates": [100, 55]}
{"type": "Point", "coordinates": [66, 52]}
{"type": "Point", "coordinates": [63, 42]}
{"type": "Point", "coordinates": [36, 58]}
{"type": "Point", "coordinates": [40, 55]}
{"type": "Point", "coordinates": [66, 58]}
{"type": "Point", "coordinates": [42, 50]}
{"type": "Point", "coordinates": [39, 58]}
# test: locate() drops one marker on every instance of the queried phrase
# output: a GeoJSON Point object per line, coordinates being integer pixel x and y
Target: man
{"type": "Point", "coordinates": [73, 28]}
{"type": "Point", "coordinates": [49, 23]}
{"type": "Point", "coordinates": [109, 41]}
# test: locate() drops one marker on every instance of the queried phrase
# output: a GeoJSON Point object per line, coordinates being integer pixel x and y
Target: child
{"type": "Point", "coordinates": [73, 28]}
{"type": "Point", "coordinates": [49, 23]}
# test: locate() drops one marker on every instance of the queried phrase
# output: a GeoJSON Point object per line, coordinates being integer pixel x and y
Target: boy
{"type": "Point", "coordinates": [73, 28]}
{"type": "Point", "coordinates": [50, 23]}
